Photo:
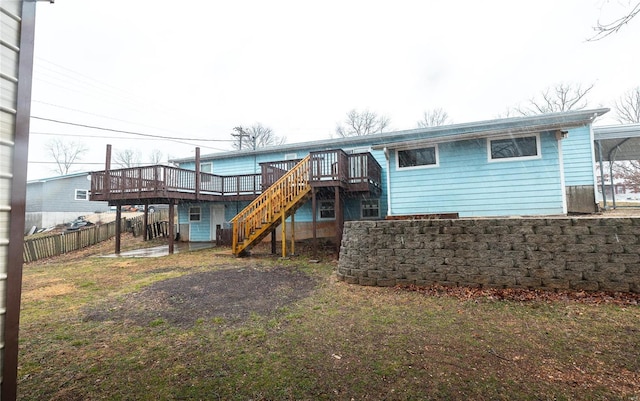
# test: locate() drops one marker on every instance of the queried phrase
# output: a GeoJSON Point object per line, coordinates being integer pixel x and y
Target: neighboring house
{"type": "Point", "coordinates": [535, 165]}
{"type": "Point", "coordinates": [58, 200]}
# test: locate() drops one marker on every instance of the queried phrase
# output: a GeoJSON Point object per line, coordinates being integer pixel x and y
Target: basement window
{"type": "Point", "coordinates": [370, 208]}
{"type": "Point", "coordinates": [327, 210]}
{"type": "Point", "coordinates": [194, 214]}
{"type": "Point", "coordinates": [417, 158]}
{"type": "Point", "coordinates": [514, 148]}
{"type": "Point", "coordinates": [82, 194]}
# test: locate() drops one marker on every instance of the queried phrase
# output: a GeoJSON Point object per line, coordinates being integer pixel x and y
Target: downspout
{"type": "Point", "coordinates": [386, 156]}
{"type": "Point", "coordinates": [562, 179]}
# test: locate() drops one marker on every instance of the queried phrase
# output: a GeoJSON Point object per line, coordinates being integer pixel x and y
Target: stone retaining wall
{"type": "Point", "coordinates": [593, 254]}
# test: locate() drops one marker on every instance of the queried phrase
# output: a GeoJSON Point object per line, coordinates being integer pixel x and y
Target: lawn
{"type": "Point", "coordinates": [206, 326]}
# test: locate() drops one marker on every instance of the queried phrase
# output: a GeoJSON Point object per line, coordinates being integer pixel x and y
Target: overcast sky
{"type": "Point", "coordinates": [196, 69]}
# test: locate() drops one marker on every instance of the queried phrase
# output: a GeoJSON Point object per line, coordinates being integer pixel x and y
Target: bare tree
{"type": "Point", "coordinates": [606, 29]}
{"type": "Point", "coordinates": [361, 123]}
{"type": "Point", "coordinates": [127, 158]}
{"type": "Point", "coordinates": [628, 107]}
{"type": "Point", "coordinates": [256, 136]}
{"type": "Point", "coordinates": [156, 156]}
{"type": "Point", "coordinates": [561, 97]}
{"type": "Point", "coordinates": [65, 154]}
{"type": "Point", "coordinates": [434, 118]}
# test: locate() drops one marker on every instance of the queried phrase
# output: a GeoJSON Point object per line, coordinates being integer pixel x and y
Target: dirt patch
{"type": "Point", "coordinates": [226, 296]}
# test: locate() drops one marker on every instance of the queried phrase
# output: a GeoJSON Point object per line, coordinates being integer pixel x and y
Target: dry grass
{"type": "Point", "coordinates": [337, 342]}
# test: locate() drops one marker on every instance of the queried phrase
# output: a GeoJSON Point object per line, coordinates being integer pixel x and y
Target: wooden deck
{"type": "Point", "coordinates": [354, 173]}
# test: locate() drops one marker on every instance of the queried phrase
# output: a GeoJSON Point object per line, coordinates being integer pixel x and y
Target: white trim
{"type": "Point", "coordinates": [516, 158]}
{"type": "Point", "coordinates": [386, 156]}
{"type": "Point", "coordinates": [85, 198]}
{"type": "Point", "coordinates": [214, 209]}
{"type": "Point", "coordinates": [290, 156]}
{"type": "Point", "coordinates": [594, 168]}
{"type": "Point", "coordinates": [565, 208]}
{"type": "Point", "coordinates": [423, 166]}
{"type": "Point", "coordinates": [207, 164]}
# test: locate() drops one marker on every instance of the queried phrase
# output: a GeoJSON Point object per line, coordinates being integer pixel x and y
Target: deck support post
{"type": "Point", "coordinates": [197, 180]}
{"type": "Point", "coordinates": [273, 242]}
{"type": "Point", "coordinates": [314, 220]}
{"type": "Point", "coordinates": [118, 227]}
{"type": "Point", "coordinates": [339, 218]}
{"type": "Point", "coordinates": [284, 235]}
{"type": "Point", "coordinates": [145, 222]}
{"type": "Point", "coordinates": [293, 234]}
{"type": "Point", "coordinates": [172, 235]}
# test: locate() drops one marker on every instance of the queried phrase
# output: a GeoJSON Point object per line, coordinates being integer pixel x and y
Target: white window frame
{"type": "Point", "coordinates": [209, 164]}
{"type": "Point", "coordinates": [507, 159]}
{"type": "Point", "coordinates": [192, 213]}
{"type": "Point", "coordinates": [290, 156]}
{"type": "Point", "coordinates": [437, 154]}
{"type": "Point", "coordinates": [206, 177]}
{"type": "Point", "coordinates": [333, 207]}
{"type": "Point", "coordinates": [362, 202]}
{"type": "Point", "coordinates": [83, 198]}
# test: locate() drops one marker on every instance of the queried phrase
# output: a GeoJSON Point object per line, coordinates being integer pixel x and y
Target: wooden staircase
{"type": "Point", "coordinates": [274, 205]}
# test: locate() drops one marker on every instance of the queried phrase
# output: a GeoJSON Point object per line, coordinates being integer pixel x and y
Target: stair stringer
{"type": "Point", "coordinates": [264, 214]}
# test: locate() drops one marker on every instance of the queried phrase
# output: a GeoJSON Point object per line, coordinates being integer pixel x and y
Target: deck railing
{"type": "Point", "coordinates": [164, 179]}
{"type": "Point", "coordinates": [333, 167]}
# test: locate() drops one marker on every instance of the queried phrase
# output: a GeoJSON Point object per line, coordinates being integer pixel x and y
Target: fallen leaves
{"type": "Point", "coordinates": [526, 295]}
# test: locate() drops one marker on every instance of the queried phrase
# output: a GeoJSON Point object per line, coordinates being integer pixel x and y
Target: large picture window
{"type": "Point", "coordinates": [510, 148]}
{"type": "Point", "coordinates": [422, 157]}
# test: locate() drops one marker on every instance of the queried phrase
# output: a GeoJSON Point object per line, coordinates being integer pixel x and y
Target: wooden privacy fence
{"type": "Point", "coordinates": [46, 246]}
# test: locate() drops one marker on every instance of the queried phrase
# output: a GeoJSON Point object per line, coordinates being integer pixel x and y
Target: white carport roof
{"type": "Point", "coordinates": [617, 142]}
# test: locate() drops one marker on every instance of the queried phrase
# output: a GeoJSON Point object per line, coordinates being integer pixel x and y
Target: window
{"type": "Point", "coordinates": [327, 210]}
{"type": "Point", "coordinates": [206, 168]}
{"type": "Point", "coordinates": [418, 157]}
{"type": "Point", "coordinates": [290, 156]}
{"type": "Point", "coordinates": [82, 194]}
{"type": "Point", "coordinates": [194, 213]}
{"type": "Point", "coordinates": [370, 208]}
{"type": "Point", "coordinates": [509, 148]}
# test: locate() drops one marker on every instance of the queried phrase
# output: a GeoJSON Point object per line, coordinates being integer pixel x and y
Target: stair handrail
{"type": "Point", "coordinates": [273, 201]}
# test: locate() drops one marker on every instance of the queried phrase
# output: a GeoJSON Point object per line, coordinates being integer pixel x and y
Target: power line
{"type": "Point", "coordinates": [127, 132]}
{"type": "Point", "coordinates": [124, 139]}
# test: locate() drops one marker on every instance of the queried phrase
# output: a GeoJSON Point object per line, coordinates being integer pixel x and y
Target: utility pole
{"type": "Point", "coordinates": [241, 134]}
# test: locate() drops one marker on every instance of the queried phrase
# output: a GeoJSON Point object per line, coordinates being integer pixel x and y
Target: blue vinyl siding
{"type": "Point", "coordinates": [578, 157]}
{"type": "Point", "coordinates": [468, 184]}
{"type": "Point", "coordinates": [199, 231]}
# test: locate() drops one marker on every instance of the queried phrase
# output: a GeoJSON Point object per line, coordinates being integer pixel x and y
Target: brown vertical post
{"type": "Point", "coordinates": [197, 172]}
{"type": "Point", "coordinates": [339, 217]}
{"type": "Point", "coordinates": [107, 174]}
{"type": "Point", "coordinates": [118, 227]}
{"type": "Point", "coordinates": [314, 220]}
{"type": "Point", "coordinates": [293, 234]}
{"type": "Point", "coordinates": [273, 242]}
{"type": "Point", "coordinates": [14, 256]}
{"type": "Point", "coordinates": [284, 235]}
{"type": "Point", "coordinates": [172, 216]}
{"type": "Point", "coordinates": [145, 221]}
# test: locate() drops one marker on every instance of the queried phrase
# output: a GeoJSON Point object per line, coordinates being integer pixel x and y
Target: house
{"type": "Point", "coordinates": [58, 200]}
{"type": "Point", "coordinates": [535, 165]}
